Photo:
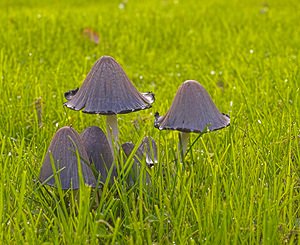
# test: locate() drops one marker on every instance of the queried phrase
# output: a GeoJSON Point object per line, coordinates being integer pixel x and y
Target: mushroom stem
{"type": "Point", "coordinates": [112, 131]}
{"type": "Point", "coordinates": [183, 141]}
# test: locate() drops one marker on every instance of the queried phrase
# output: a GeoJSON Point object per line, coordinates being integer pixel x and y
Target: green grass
{"type": "Point", "coordinates": [241, 184]}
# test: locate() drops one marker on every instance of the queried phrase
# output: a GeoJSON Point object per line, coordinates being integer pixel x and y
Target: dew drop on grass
{"type": "Point", "coordinates": [30, 54]}
{"type": "Point", "coordinates": [13, 139]}
{"type": "Point", "coordinates": [259, 121]}
{"type": "Point", "coordinates": [121, 6]}
{"type": "Point", "coordinates": [297, 223]}
{"type": "Point", "coordinates": [212, 73]}
{"type": "Point", "coordinates": [264, 10]}
{"type": "Point", "coordinates": [141, 77]}
{"type": "Point", "coordinates": [231, 103]}
{"type": "Point", "coordinates": [251, 51]}
{"type": "Point", "coordinates": [56, 124]}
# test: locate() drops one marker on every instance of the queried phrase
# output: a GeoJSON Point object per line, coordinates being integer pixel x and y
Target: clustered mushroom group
{"type": "Point", "coordinates": [108, 91]}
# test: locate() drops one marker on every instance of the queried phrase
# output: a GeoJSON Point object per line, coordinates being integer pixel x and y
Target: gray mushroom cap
{"type": "Point", "coordinates": [107, 90]}
{"type": "Point", "coordinates": [192, 110]}
{"type": "Point", "coordinates": [98, 151]}
{"type": "Point", "coordinates": [134, 174]}
{"type": "Point", "coordinates": [63, 150]}
{"type": "Point", "coordinates": [148, 147]}
{"type": "Point", "coordinates": [128, 147]}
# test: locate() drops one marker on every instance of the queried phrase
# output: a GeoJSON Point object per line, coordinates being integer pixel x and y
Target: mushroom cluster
{"type": "Point", "coordinates": [108, 91]}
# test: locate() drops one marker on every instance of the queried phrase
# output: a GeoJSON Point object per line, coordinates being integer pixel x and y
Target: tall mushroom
{"type": "Point", "coordinates": [108, 91]}
{"type": "Point", "coordinates": [192, 110]}
{"type": "Point", "coordinates": [64, 150]}
{"type": "Point", "coordinates": [99, 152]}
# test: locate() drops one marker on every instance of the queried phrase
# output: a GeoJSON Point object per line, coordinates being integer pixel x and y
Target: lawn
{"type": "Point", "coordinates": [240, 185]}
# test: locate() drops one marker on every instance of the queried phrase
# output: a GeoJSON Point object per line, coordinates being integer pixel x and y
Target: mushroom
{"type": "Point", "coordinates": [149, 148]}
{"type": "Point", "coordinates": [63, 153]}
{"type": "Point", "coordinates": [192, 110]}
{"type": "Point", "coordinates": [98, 151]}
{"type": "Point", "coordinates": [134, 173]}
{"type": "Point", "coordinates": [108, 91]}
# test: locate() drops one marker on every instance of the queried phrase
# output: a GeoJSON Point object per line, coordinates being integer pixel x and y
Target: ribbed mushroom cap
{"type": "Point", "coordinates": [149, 148]}
{"type": "Point", "coordinates": [62, 150]}
{"type": "Point", "coordinates": [98, 150]}
{"type": "Point", "coordinates": [192, 110]}
{"type": "Point", "coordinates": [107, 90]}
{"type": "Point", "coordinates": [135, 169]}
{"type": "Point", "coordinates": [128, 148]}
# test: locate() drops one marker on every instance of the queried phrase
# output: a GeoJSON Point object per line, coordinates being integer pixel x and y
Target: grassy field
{"type": "Point", "coordinates": [241, 184]}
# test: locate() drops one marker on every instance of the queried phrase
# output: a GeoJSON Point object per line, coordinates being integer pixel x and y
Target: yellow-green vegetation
{"type": "Point", "coordinates": [240, 184]}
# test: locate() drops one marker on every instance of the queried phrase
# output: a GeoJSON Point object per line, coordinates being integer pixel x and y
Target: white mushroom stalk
{"type": "Point", "coordinates": [112, 131]}
{"type": "Point", "coordinates": [183, 142]}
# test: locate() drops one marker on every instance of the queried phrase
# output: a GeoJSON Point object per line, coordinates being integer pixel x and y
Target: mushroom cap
{"type": "Point", "coordinates": [128, 147]}
{"type": "Point", "coordinates": [192, 110]}
{"type": "Point", "coordinates": [149, 148]}
{"type": "Point", "coordinates": [107, 90]}
{"type": "Point", "coordinates": [98, 151]}
{"type": "Point", "coordinates": [62, 150]}
{"type": "Point", "coordinates": [135, 169]}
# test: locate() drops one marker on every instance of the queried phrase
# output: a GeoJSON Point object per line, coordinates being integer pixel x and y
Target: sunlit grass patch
{"type": "Point", "coordinates": [239, 184]}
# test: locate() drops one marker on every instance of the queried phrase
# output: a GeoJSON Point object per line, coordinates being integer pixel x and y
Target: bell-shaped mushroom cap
{"type": "Point", "coordinates": [98, 150]}
{"type": "Point", "coordinates": [192, 110]}
{"type": "Point", "coordinates": [135, 169]}
{"type": "Point", "coordinates": [149, 148]}
{"type": "Point", "coordinates": [64, 150]}
{"type": "Point", "coordinates": [128, 148]}
{"type": "Point", "coordinates": [107, 90]}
